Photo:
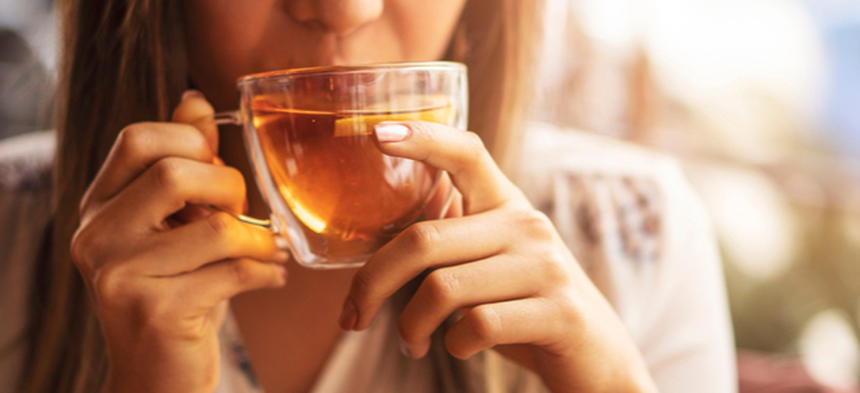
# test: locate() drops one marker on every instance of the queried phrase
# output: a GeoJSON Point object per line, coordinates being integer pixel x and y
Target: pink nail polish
{"type": "Point", "coordinates": [404, 349]}
{"type": "Point", "coordinates": [387, 132]}
{"type": "Point", "coordinates": [348, 316]}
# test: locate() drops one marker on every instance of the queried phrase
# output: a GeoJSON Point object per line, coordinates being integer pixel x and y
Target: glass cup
{"type": "Point", "coordinates": [334, 198]}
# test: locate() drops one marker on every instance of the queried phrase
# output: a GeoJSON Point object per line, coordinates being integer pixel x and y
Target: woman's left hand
{"type": "Point", "coordinates": [504, 267]}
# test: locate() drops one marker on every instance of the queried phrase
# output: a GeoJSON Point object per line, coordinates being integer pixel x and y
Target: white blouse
{"type": "Point", "coordinates": [627, 214]}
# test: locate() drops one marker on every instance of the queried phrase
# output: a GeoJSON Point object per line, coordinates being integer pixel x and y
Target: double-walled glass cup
{"type": "Point", "coordinates": [334, 198]}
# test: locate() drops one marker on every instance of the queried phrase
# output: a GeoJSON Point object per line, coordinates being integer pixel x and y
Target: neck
{"type": "Point", "coordinates": [292, 328]}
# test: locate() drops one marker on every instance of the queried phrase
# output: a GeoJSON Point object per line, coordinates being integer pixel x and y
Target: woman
{"type": "Point", "coordinates": [147, 308]}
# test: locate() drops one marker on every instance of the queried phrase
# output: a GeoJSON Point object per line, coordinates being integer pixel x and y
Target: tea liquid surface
{"type": "Point", "coordinates": [329, 170]}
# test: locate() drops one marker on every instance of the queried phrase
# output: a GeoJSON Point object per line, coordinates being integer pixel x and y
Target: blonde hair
{"type": "Point", "coordinates": [124, 62]}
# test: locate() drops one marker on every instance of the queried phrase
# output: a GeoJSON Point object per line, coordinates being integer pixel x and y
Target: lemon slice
{"type": "Point", "coordinates": [311, 220]}
{"type": "Point", "coordinates": [363, 124]}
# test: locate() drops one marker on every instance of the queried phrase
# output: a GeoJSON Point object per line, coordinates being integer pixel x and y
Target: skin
{"type": "Point", "coordinates": [160, 267]}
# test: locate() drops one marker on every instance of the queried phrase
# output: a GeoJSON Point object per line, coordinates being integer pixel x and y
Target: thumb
{"type": "Point", "coordinates": [195, 110]}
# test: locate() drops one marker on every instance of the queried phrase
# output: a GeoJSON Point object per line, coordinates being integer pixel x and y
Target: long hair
{"type": "Point", "coordinates": [124, 62]}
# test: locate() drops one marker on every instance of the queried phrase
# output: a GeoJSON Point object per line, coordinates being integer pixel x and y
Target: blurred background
{"type": "Point", "coordinates": [27, 65]}
{"type": "Point", "coordinates": [759, 100]}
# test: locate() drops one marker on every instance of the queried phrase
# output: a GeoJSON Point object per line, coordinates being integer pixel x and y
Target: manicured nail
{"type": "Point", "coordinates": [404, 349]}
{"type": "Point", "coordinates": [387, 132]}
{"type": "Point", "coordinates": [348, 316]}
{"type": "Point", "coordinates": [192, 93]}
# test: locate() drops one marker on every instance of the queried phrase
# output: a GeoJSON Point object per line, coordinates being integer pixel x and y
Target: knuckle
{"type": "Point", "coordinates": [473, 153]}
{"type": "Point", "coordinates": [554, 266]}
{"type": "Point", "coordinates": [423, 236]}
{"type": "Point", "coordinates": [169, 174]}
{"type": "Point", "coordinates": [200, 146]}
{"type": "Point", "coordinates": [156, 312]}
{"type": "Point", "coordinates": [133, 139]}
{"type": "Point", "coordinates": [474, 143]}
{"type": "Point", "coordinates": [222, 226]}
{"type": "Point", "coordinates": [485, 323]}
{"type": "Point", "coordinates": [108, 283]}
{"type": "Point", "coordinates": [361, 287]}
{"type": "Point", "coordinates": [243, 272]}
{"type": "Point", "coordinates": [441, 287]}
{"type": "Point", "coordinates": [570, 312]}
{"type": "Point", "coordinates": [87, 247]}
{"type": "Point", "coordinates": [80, 246]}
{"type": "Point", "coordinates": [533, 222]}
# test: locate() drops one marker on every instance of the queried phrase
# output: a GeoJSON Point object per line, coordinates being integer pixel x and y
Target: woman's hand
{"type": "Point", "coordinates": [158, 264]}
{"type": "Point", "coordinates": [503, 268]}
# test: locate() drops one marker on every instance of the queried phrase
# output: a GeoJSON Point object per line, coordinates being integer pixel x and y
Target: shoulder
{"type": "Point", "coordinates": [627, 213]}
{"type": "Point", "coordinates": [638, 229]}
{"type": "Point", "coordinates": [609, 199]}
{"type": "Point", "coordinates": [549, 151]}
{"type": "Point", "coordinates": [25, 213]}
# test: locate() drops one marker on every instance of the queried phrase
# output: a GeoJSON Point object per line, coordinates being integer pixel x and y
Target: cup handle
{"type": "Point", "coordinates": [233, 118]}
{"type": "Point", "coordinates": [228, 118]}
{"type": "Point", "coordinates": [264, 223]}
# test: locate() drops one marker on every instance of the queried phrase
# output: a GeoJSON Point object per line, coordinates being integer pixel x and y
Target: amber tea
{"type": "Point", "coordinates": [334, 198]}
{"type": "Point", "coordinates": [334, 178]}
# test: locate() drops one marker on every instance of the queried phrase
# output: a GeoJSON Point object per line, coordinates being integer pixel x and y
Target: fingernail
{"type": "Point", "coordinates": [283, 270]}
{"type": "Point", "coordinates": [191, 93]}
{"type": "Point", "coordinates": [387, 132]}
{"type": "Point", "coordinates": [404, 349]}
{"type": "Point", "coordinates": [348, 316]}
{"type": "Point", "coordinates": [282, 256]}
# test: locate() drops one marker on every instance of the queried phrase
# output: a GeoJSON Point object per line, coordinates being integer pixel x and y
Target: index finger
{"type": "Point", "coordinates": [141, 144]}
{"type": "Point", "coordinates": [422, 246]}
{"type": "Point", "coordinates": [461, 153]}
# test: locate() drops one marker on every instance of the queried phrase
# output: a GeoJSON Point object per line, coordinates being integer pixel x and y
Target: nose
{"type": "Point", "coordinates": [340, 17]}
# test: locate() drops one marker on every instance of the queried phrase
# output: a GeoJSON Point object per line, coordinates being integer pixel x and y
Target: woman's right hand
{"type": "Point", "coordinates": [160, 266]}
